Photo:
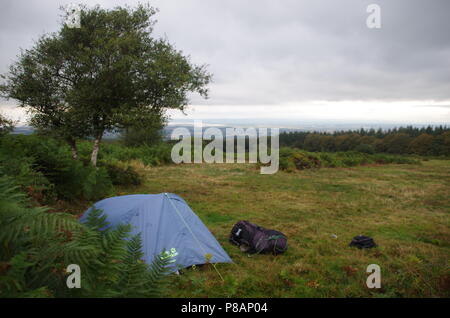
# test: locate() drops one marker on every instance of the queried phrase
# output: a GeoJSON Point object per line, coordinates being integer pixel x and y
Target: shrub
{"type": "Point", "coordinates": [329, 160]}
{"type": "Point", "coordinates": [291, 160]}
{"type": "Point", "coordinates": [351, 159]}
{"type": "Point", "coordinates": [385, 159]}
{"type": "Point", "coordinates": [154, 155]}
{"type": "Point", "coordinates": [305, 161]}
{"type": "Point", "coordinates": [45, 158]}
{"type": "Point", "coordinates": [16, 164]}
{"type": "Point", "coordinates": [286, 163]}
{"type": "Point", "coordinates": [121, 173]}
{"type": "Point", "coordinates": [365, 148]}
{"type": "Point", "coordinates": [96, 183]}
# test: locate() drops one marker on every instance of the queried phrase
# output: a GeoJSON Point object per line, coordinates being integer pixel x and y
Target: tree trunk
{"type": "Point", "coordinates": [95, 149]}
{"type": "Point", "coordinates": [73, 146]}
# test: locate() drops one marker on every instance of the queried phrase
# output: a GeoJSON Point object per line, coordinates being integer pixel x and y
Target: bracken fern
{"type": "Point", "coordinates": [37, 246]}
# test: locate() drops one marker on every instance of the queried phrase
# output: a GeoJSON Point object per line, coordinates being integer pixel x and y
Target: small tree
{"type": "Point", "coordinates": [104, 76]}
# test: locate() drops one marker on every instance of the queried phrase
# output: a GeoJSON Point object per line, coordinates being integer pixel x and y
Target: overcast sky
{"type": "Point", "coordinates": [289, 60]}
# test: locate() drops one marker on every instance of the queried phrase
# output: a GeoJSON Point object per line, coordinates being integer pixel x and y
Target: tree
{"type": "Point", "coordinates": [327, 143]}
{"type": "Point", "coordinates": [6, 125]}
{"type": "Point", "coordinates": [421, 144]}
{"type": "Point", "coordinates": [347, 142]}
{"type": "Point", "coordinates": [440, 145]}
{"type": "Point", "coordinates": [446, 143]}
{"type": "Point", "coordinates": [35, 82]}
{"type": "Point", "coordinates": [145, 132]}
{"type": "Point", "coordinates": [365, 148]}
{"type": "Point", "coordinates": [312, 142]}
{"type": "Point", "coordinates": [397, 143]}
{"type": "Point", "coordinates": [104, 76]}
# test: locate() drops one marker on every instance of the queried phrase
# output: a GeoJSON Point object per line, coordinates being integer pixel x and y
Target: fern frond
{"type": "Point", "coordinates": [96, 220]}
{"type": "Point", "coordinates": [157, 274]}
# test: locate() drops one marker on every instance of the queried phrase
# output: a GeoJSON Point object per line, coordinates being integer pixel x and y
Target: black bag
{"type": "Point", "coordinates": [256, 239]}
{"type": "Point", "coordinates": [362, 241]}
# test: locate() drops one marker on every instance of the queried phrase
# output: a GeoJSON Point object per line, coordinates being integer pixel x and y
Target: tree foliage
{"type": "Point", "coordinates": [107, 75]}
{"type": "Point", "coordinates": [404, 140]}
{"type": "Point", "coordinates": [6, 125]}
{"type": "Point", "coordinates": [144, 132]}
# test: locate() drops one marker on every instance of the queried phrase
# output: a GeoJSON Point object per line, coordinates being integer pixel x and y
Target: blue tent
{"type": "Point", "coordinates": [164, 221]}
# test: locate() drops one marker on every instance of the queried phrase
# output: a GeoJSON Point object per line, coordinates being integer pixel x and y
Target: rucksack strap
{"type": "Point", "coordinates": [275, 237]}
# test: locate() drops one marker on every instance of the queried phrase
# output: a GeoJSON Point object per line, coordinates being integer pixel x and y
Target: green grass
{"type": "Point", "coordinates": [405, 208]}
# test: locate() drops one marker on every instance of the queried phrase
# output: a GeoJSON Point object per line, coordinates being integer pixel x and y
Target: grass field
{"type": "Point", "coordinates": [405, 208]}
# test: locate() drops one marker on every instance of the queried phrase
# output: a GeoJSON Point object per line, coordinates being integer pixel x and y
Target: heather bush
{"type": "Point", "coordinates": [292, 159]}
{"type": "Point", "coordinates": [121, 173]}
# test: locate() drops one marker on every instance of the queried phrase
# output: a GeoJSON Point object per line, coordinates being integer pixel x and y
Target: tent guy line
{"type": "Point", "coordinates": [190, 230]}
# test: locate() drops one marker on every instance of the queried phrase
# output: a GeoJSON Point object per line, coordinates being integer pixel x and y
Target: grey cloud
{"type": "Point", "coordinates": [276, 52]}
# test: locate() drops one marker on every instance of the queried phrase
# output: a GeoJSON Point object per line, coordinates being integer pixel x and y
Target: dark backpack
{"type": "Point", "coordinates": [362, 241]}
{"type": "Point", "coordinates": [257, 239]}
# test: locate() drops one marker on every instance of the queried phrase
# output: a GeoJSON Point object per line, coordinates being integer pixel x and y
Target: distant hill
{"type": "Point", "coordinates": [310, 126]}
{"type": "Point", "coordinates": [23, 130]}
